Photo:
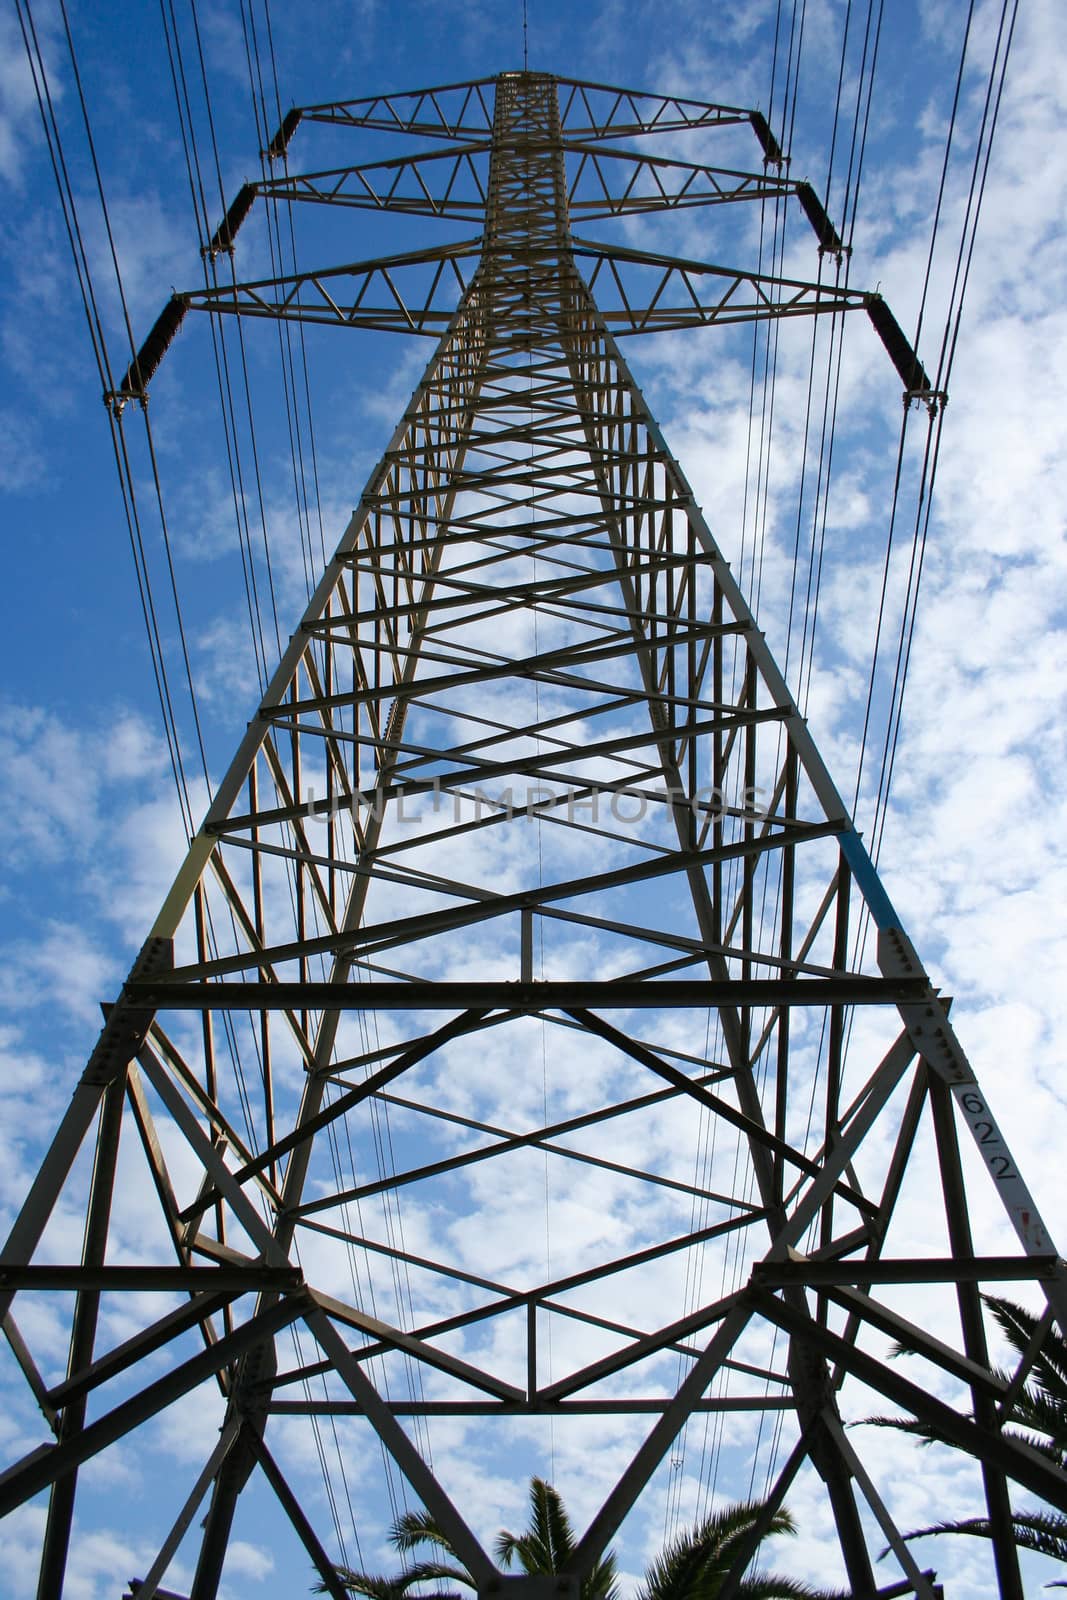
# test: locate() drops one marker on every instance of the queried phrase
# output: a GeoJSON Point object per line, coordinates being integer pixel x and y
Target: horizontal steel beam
{"type": "Point", "coordinates": [254, 1278]}
{"type": "Point", "coordinates": [950, 1269]}
{"type": "Point", "coordinates": [527, 1408]}
{"type": "Point", "coordinates": [617, 994]}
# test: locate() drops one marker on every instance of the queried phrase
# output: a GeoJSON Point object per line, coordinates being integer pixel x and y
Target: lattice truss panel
{"type": "Point", "coordinates": [527, 895]}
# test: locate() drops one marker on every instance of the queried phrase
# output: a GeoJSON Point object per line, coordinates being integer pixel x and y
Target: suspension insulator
{"type": "Point", "coordinates": [151, 353]}
{"type": "Point", "coordinates": [280, 143]}
{"type": "Point", "coordinates": [912, 372]}
{"type": "Point", "coordinates": [815, 212]}
{"type": "Point", "coordinates": [772, 150]}
{"type": "Point", "coordinates": [226, 232]}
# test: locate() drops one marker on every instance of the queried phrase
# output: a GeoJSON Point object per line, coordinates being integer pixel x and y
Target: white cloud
{"type": "Point", "coordinates": [19, 117]}
{"type": "Point", "coordinates": [244, 1560]}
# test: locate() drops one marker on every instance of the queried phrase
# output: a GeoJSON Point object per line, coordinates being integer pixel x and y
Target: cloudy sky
{"type": "Point", "coordinates": [969, 851]}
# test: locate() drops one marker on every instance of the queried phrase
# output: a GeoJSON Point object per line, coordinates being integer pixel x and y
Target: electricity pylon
{"type": "Point", "coordinates": [527, 879]}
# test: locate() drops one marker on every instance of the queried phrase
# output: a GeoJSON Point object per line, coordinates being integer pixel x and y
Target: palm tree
{"type": "Point", "coordinates": [693, 1567]}
{"type": "Point", "coordinates": [1039, 1411]}
{"type": "Point", "coordinates": [549, 1543]}
{"type": "Point", "coordinates": [546, 1546]}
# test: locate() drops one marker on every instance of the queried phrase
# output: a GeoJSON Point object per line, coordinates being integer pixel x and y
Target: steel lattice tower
{"type": "Point", "coordinates": [527, 785]}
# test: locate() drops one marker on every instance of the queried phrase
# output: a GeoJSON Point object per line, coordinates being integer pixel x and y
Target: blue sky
{"type": "Point", "coordinates": [92, 834]}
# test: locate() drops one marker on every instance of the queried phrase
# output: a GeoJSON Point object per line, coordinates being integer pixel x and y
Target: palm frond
{"type": "Point", "coordinates": [1018, 1327]}
{"type": "Point", "coordinates": [1032, 1411]}
{"type": "Point", "coordinates": [552, 1522]}
{"type": "Point", "coordinates": [436, 1572]}
{"type": "Point", "coordinates": [1042, 1531]}
{"type": "Point", "coordinates": [1039, 1445]}
{"type": "Point", "coordinates": [548, 1535]}
{"type": "Point", "coordinates": [409, 1532]}
{"type": "Point", "coordinates": [769, 1586]}
{"type": "Point", "coordinates": [370, 1584]}
{"type": "Point", "coordinates": [549, 1542]}
{"type": "Point", "coordinates": [415, 1528]}
{"type": "Point", "coordinates": [694, 1565]}
{"type": "Point", "coordinates": [920, 1430]}
{"type": "Point", "coordinates": [517, 1547]}
{"type": "Point", "coordinates": [677, 1573]}
{"type": "Point", "coordinates": [735, 1523]}
{"type": "Point", "coordinates": [603, 1582]}
{"type": "Point", "coordinates": [1044, 1415]}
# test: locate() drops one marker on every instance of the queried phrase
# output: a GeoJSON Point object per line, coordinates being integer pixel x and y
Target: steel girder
{"type": "Point", "coordinates": [527, 762]}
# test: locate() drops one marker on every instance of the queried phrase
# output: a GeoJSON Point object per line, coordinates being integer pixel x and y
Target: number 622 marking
{"type": "Point", "coordinates": [986, 1134]}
